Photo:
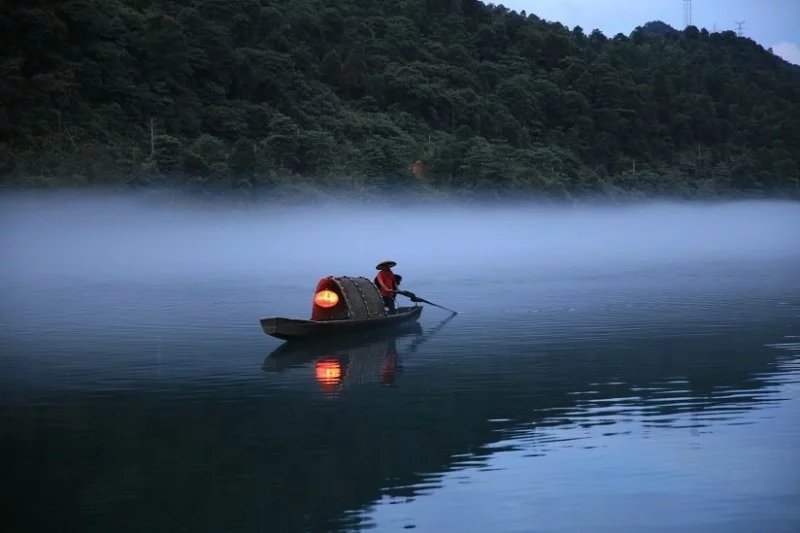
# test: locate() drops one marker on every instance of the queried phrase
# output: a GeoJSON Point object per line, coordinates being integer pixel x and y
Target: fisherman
{"type": "Point", "coordinates": [387, 283]}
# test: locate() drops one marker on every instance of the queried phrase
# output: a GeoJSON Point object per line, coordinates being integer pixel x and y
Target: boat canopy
{"type": "Point", "coordinates": [358, 299]}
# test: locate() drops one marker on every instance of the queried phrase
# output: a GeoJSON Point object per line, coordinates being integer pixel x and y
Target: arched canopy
{"type": "Point", "coordinates": [358, 299]}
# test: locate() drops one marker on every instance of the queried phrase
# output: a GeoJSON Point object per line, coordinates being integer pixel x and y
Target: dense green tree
{"type": "Point", "coordinates": [247, 92]}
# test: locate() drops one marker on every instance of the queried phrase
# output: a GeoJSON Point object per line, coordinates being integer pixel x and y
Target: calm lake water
{"type": "Point", "coordinates": [610, 369]}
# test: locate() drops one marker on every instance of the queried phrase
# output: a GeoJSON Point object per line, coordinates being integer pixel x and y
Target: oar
{"type": "Point", "coordinates": [415, 298]}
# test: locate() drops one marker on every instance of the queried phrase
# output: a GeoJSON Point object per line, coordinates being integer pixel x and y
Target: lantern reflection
{"type": "Point", "coordinates": [328, 372]}
{"type": "Point", "coordinates": [326, 298]}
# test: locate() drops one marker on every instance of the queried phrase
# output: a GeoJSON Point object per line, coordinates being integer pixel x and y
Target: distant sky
{"type": "Point", "coordinates": [771, 23]}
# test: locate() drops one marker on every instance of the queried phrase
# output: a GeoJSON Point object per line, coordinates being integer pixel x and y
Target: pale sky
{"type": "Point", "coordinates": [771, 23]}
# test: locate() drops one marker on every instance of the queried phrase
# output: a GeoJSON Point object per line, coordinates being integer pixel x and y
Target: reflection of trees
{"type": "Point", "coordinates": [254, 456]}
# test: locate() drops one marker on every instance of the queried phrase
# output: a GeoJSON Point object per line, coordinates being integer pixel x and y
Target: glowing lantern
{"type": "Point", "coordinates": [328, 372]}
{"type": "Point", "coordinates": [326, 298]}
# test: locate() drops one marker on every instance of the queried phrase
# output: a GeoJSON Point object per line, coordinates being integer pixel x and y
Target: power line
{"type": "Point", "coordinates": [687, 13]}
{"type": "Point", "coordinates": [739, 24]}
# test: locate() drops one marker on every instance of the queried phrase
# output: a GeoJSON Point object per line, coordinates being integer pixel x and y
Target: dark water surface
{"type": "Point", "coordinates": [620, 369]}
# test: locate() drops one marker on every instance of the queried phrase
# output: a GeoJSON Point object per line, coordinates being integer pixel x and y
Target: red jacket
{"type": "Point", "coordinates": [386, 278]}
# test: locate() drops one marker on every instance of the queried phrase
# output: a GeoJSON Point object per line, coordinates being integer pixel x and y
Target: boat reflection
{"type": "Point", "coordinates": [342, 362]}
{"type": "Point", "coordinates": [346, 361]}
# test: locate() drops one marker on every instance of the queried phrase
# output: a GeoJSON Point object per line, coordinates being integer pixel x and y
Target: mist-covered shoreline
{"type": "Point", "coordinates": [331, 193]}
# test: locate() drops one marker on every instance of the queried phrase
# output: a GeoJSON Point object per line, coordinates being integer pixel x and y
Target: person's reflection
{"type": "Point", "coordinates": [390, 363]}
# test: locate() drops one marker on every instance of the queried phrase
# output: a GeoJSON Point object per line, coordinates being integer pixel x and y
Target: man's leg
{"type": "Point", "coordinates": [388, 301]}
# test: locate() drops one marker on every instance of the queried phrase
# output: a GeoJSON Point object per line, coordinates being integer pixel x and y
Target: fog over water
{"type": "Point", "coordinates": [119, 237]}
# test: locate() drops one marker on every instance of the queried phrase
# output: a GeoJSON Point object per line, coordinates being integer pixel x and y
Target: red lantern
{"type": "Point", "coordinates": [326, 298]}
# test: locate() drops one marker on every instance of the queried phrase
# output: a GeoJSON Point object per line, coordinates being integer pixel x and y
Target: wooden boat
{"type": "Point", "coordinates": [341, 305]}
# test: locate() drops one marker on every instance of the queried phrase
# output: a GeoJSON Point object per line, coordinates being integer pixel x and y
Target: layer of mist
{"type": "Point", "coordinates": [123, 237]}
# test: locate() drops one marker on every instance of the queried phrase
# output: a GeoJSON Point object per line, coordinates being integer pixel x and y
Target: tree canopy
{"type": "Point", "coordinates": [402, 93]}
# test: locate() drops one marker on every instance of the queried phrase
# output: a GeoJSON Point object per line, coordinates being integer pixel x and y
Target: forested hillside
{"type": "Point", "coordinates": [249, 93]}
